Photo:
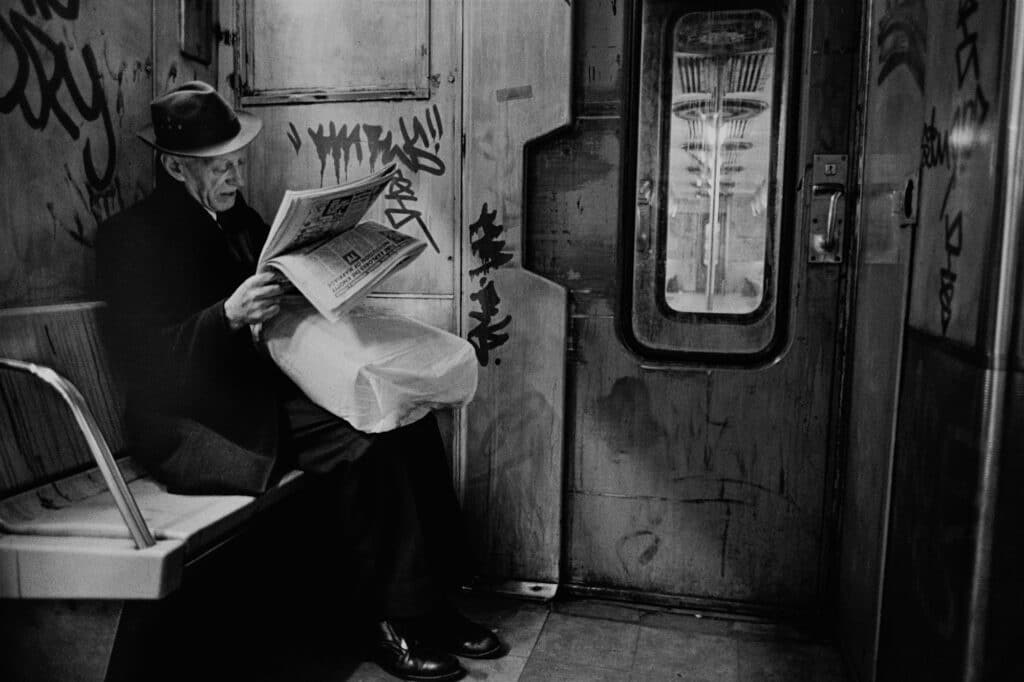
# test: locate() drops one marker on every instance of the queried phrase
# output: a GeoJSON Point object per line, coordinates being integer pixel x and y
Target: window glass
{"type": "Point", "coordinates": [720, 137]}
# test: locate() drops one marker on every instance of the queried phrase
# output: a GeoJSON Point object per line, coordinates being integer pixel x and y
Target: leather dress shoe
{"type": "Point", "coordinates": [449, 630]}
{"type": "Point", "coordinates": [412, 661]}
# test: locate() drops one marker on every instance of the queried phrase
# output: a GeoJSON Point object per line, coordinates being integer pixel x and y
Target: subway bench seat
{"type": "Point", "coordinates": [68, 540]}
{"type": "Point", "coordinates": [76, 522]}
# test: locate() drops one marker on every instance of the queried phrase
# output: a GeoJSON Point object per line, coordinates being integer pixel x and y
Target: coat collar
{"type": "Point", "coordinates": [172, 196]}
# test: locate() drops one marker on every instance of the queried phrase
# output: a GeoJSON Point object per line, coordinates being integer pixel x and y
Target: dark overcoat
{"type": "Point", "coordinates": [204, 404]}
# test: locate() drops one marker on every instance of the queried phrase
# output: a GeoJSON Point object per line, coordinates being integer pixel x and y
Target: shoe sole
{"type": "Point", "coordinates": [496, 652]}
{"type": "Point", "coordinates": [458, 675]}
{"type": "Point", "coordinates": [447, 677]}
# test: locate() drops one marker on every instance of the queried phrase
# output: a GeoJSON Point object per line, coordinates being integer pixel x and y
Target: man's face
{"type": "Point", "coordinates": [214, 182]}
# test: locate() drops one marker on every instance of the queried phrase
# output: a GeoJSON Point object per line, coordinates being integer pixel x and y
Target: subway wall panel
{"type": "Point", "coordinates": [76, 87]}
{"type": "Point", "coordinates": [934, 515]}
{"type": "Point", "coordinates": [948, 548]}
{"type": "Point", "coordinates": [893, 108]}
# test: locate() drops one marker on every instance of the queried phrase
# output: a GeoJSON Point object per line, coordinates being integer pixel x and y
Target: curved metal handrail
{"type": "Point", "coordinates": [98, 447]}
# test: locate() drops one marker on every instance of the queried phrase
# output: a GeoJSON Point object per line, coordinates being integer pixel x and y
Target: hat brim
{"type": "Point", "coordinates": [250, 128]}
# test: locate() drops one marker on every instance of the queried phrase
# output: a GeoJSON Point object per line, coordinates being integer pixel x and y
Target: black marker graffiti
{"type": "Point", "coordinates": [47, 8]}
{"type": "Point", "coordinates": [953, 244]}
{"type": "Point", "coordinates": [968, 43]}
{"type": "Point", "coordinates": [417, 150]}
{"type": "Point", "coordinates": [293, 137]}
{"type": "Point", "coordinates": [950, 147]}
{"type": "Point", "coordinates": [401, 192]}
{"type": "Point", "coordinates": [487, 247]}
{"type": "Point", "coordinates": [335, 143]}
{"type": "Point", "coordinates": [486, 336]}
{"type": "Point", "coordinates": [34, 51]}
{"type": "Point", "coordinates": [934, 145]}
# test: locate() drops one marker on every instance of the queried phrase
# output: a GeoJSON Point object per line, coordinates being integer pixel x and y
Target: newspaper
{"type": "Point", "coordinates": [317, 242]}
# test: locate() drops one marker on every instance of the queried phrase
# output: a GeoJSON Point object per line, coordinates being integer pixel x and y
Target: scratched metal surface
{"type": "Point", "coordinates": [75, 91]}
{"type": "Point", "coordinates": [702, 484]}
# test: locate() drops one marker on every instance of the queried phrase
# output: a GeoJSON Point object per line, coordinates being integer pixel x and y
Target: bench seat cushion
{"type": "Point", "coordinates": [67, 528]}
{"type": "Point", "coordinates": [47, 567]}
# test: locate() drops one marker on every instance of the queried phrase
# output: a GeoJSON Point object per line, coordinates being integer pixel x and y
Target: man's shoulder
{"type": "Point", "coordinates": [139, 213]}
{"type": "Point", "coordinates": [141, 226]}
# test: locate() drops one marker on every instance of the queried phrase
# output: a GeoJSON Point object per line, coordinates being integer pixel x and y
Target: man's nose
{"type": "Point", "coordinates": [236, 177]}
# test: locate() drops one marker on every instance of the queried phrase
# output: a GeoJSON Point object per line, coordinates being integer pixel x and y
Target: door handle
{"type": "Point", "coordinates": [825, 241]}
{"type": "Point", "coordinates": [828, 206]}
{"type": "Point", "coordinates": [643, 215]}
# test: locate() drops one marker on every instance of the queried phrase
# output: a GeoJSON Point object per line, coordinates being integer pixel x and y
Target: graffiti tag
{"type": "Point", "coordinates": [416, 147]}
{"type": "Point", "coordinates": [949, 147]}
{"type": "Point", "coordinates": [401, 192]}
{"type": "Point", "coordinates": [486, 335]}
{"type": "Point", "coordinates": [35, 53]}
{"type": "Point", "coordinates": [488, 246]}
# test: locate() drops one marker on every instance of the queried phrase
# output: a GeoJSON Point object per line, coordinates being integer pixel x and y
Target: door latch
{"type": "Point", "coordinates": [828, 209]}
{"type": "Point", "coordinates": [643, 215]}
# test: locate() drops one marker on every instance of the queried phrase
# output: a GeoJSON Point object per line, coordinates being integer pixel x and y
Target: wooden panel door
{"type": "Point", "coordinates": [703, 475]}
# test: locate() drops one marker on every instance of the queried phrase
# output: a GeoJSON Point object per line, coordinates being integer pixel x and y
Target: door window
{"type": "Point", "coordinates": [708, 252]}
{"type": "Point", "coordinates": [719, 146]}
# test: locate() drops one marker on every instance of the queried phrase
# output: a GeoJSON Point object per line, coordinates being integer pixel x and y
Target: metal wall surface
{"type": "Point", "coordinates": [517, 59]}
{"type": "Point", "coordinates": [890, 157]}
{"type": "Point", "coordinates": [953, 439]}
{"type": "Point", "coordinates": [934, 515]}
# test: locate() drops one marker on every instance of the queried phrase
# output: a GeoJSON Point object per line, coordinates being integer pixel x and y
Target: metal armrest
{"type": "Point", "coordinates": [98, 447]}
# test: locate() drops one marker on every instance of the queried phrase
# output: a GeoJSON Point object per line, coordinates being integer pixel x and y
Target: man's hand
{"type": "Point", "coordinates": [255, 300]}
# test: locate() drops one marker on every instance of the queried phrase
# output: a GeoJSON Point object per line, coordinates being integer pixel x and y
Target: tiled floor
{"type": "Point", "coordinates": [274, 636]}
{"type": "Point", "coordinates": [596, 641]}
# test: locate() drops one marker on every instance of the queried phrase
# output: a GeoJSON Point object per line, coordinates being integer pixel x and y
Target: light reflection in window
{"type": "Point", "coordinates": [719, 144]}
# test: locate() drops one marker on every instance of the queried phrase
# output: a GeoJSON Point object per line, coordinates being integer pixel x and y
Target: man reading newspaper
{"type": "Point", "coordinates": [212, 414]}
{"type": "Point", "coordinates": [318, 243]}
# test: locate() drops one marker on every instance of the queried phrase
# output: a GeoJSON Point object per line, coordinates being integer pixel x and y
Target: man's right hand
{"type": "Point", "coordinates": [255, 300]}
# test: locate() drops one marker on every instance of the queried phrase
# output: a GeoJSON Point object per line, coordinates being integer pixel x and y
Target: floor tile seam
{"type": "Point", "coordinates": [548, 657]}
{"type": "Point", "coordinates": [606, 619]}
{"type": "Point", "coordinates": [536, 637]}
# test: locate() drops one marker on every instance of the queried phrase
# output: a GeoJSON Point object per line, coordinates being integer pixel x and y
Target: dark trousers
{"type": "Point", "coordinates": [388, 522]}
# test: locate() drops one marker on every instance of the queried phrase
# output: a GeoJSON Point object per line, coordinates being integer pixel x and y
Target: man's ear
{"type": "Point", "coordinates": [174, 165]}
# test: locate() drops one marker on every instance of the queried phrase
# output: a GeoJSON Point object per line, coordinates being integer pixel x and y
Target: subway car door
{"type": "Point", "coordinates": [707, 319]}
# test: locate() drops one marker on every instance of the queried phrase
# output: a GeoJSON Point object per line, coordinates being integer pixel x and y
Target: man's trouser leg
{"type": "Point", "coordinates": [388, 521]}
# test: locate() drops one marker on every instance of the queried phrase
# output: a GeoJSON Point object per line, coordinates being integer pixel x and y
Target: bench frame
{"type": "Point", "coordinates": [108, 637]}
{"type": "Point", "coordinates": [98, 447]}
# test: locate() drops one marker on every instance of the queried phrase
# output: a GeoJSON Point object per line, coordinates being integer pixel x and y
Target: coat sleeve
{"type": "Point", "coordinates": [166, 350]}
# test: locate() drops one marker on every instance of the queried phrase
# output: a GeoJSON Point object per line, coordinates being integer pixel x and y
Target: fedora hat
{"type": "Point", "coordinates": [194, 120]}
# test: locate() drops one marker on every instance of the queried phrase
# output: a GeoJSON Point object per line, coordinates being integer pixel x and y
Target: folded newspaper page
{"type": "Point", "coordinates": [317, 242]}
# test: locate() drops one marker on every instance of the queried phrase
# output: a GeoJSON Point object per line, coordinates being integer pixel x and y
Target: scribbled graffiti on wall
{"type": "Point", "coordinates": [486, 244]}
{"type": "Point", "coordinates": [415, 149]}
{"type": "Point", "coordinates": [402, 209]}
{"type": "Point", "coordinates": [54, 84]}
{"type": "Point", "coordinates": [903, 39]}
{"type": "Point", "coordinates": [950, 146]}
